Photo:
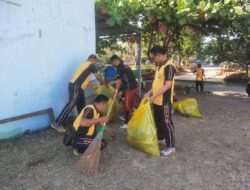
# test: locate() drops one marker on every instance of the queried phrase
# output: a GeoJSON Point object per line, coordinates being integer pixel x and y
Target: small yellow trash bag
{"type": "Point", "coordinates": [141, 132]}
{"type": "Point", "coordinates": [109, 91]}
{"type": "Point", "coordinates": [188, 107]}
{"type": "Point", "coordinates": [106, 90]}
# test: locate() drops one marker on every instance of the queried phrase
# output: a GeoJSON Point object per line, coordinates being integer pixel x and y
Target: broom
{"type": "Point", "coordinates": [89, 161]}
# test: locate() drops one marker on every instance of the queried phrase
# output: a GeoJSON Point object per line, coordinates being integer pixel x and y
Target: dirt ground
{"type": "Point", "coordinates": [213, 153]}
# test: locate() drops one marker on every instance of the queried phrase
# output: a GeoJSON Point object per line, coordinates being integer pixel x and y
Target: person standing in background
{"type": "Point", "coordinates": [200, 77]}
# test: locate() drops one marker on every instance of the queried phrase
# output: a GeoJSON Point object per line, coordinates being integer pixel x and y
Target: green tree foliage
{"type": "Point", "coordinates": [235, 45]}
{"type": "Point", "coordinates": [172, 23]}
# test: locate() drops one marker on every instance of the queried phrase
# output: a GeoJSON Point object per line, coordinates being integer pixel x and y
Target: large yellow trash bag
{"type": "Point", "coordinates": [188, 107]}
{"type": "Point", "coordinates": [141, 132]}
{"type": "Point", "coordinates": [109, 91]}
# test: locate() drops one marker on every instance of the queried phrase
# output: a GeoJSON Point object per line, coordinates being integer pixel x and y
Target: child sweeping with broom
{"type": "Point", "coordinates": [89, 161]}
{"type": "Point", "coordinates": [85, 125]}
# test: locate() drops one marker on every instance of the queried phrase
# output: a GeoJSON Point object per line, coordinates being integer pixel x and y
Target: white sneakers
{"type": "Point", "coordinates": [167, 151]}
{"type": "Point", "coordinates": [59, 129]}
{"type": "Point", "coordinates": [124, 126]}
{"type": "Point", "coordinates": [75, 152]}
{"type": "Point", "coordinates": [122, 118]}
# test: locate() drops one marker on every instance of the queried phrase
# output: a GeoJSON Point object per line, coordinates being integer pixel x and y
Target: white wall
{"type": "Point", "coordinates": [42, 42]}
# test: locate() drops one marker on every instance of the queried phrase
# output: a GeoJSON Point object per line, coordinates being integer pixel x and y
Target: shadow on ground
{"type": "Point", "coordinates": [212, 153]}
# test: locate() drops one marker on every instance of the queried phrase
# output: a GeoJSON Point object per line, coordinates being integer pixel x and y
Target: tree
{"type": "Point", "coordinates": [235, 46]}
{"type": "Point", "coordinates": [167, 22]}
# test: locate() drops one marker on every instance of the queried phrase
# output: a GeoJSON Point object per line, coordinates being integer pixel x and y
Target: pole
{"type": "Point", "coordinates": [139, 62]}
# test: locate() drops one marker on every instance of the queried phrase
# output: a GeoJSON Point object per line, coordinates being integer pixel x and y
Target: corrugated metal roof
{"type": "Point", "coordinates": [104, 30]}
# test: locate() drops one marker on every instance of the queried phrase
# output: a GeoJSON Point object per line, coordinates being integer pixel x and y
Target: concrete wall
{"type": "Point", "coordinates": [42, 42]}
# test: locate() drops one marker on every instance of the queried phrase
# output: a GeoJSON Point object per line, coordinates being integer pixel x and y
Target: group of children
{"type": "Point", "coordinates": [85, 128]}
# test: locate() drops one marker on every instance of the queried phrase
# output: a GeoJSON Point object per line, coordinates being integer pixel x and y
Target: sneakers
{"type": "Point", "coordinates": [121, 117]}
{"type": "Point", "coordinates": [124, 126]}
{"type": "Point", "coordinates": [172, 111]}
{"type": "Point", "coordinates": [59, 129]}
{"type": "Point", "coordinates": [167, 151]}
{"type": "Point", "coordinates": [75, 152]}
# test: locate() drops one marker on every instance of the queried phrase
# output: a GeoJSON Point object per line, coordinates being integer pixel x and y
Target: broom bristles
{"type": "Point", "coordinates": [89, 161]}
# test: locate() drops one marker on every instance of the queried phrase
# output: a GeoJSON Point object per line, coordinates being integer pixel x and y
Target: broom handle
{"type": "Point", "coordinates": [113, 100]}
{"type": "Point", "coordinates": [104, 125]}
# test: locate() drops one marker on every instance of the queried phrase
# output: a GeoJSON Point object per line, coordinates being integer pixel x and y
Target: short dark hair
{"type": "Point", "coordinates": [115, 57]}
{"type": "Point", "coordinates": [92, 56]}
{"type": "Point", "coordinates": [101, 98]}
{"type": "Point", "coordinates": [158, 50]}
{"type": "Point", "coordinates": [199, 65]}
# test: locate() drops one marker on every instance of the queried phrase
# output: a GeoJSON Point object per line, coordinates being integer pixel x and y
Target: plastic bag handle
{"type": "Point", "coordinates": [145, 100]}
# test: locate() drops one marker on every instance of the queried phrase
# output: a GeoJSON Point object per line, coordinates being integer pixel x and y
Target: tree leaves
{"type": "Point", "coordinates": [182, 21]}
{"type": "Point", "coordinates": [175, 20]}
{"type": "Point", "coordinates": [227, 1]}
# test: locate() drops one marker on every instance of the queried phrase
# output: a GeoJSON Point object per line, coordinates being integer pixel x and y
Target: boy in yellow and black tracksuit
{"type": "Point", "coordinates": [199, 78]}
{"type": "Point", "coordinates": [85, 125]}
{"type": "Point", "coordinates": [161, 96]}
{"type": "Point", "coordinates": [77, 85]}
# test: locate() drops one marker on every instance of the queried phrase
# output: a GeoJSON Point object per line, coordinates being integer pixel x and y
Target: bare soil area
{"type": "Point", "coordinates": [213, 153]}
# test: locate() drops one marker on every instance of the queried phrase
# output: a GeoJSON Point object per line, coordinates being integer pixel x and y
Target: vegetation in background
{"type": "Point", "coordinates": [181, 26]}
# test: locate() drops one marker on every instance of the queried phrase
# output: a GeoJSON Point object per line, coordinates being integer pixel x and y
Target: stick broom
{"type": "Point", "coordinates": [89, 161]}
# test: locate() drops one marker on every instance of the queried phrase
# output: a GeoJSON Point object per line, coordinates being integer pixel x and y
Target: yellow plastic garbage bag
{"type": "Point", "coordinates": [109, 91]}
{"type": "Point", "coordinates": [106, 90]}
{"type": "Point", "coordinates": [141, 132]}
{"type": "Point", "coordinates": [188, 107]}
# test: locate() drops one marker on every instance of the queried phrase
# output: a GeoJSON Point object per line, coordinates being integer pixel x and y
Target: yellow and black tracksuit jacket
{"type": "Point", "coordinates": [83, 73]}
{"type": "Point", "coordinates": [164, 73]}
{"type": "Point", "coordinates": [199, 74]}
{"type": "Point", "coordinates": [89, 112]}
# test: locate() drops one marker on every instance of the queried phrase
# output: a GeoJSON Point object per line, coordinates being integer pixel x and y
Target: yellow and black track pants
{"type": "Point", "coordinates": [164, 123]}
{"type": "Point", "coordinates": [76, 97]}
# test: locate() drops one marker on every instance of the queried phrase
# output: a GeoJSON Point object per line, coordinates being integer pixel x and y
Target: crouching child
{"type": "Point", "coordinates": [85, 126]}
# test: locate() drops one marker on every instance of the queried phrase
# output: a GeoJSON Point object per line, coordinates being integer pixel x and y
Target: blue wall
{"type": "Point", "coordinates": [42, 43]}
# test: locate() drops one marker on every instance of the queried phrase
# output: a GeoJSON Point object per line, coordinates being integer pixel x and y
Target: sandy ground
{"type": "Point", "coordinates": [212, 153]}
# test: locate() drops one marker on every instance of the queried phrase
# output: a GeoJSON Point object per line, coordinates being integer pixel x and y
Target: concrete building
{"type": "Point", "coordinates": [42, 42]}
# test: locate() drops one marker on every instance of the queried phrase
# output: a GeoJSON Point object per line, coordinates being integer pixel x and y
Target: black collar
{"type": "Point", "coordinates": [120, 65]}
{"type": "Point", "coordinates": [165, 62]}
